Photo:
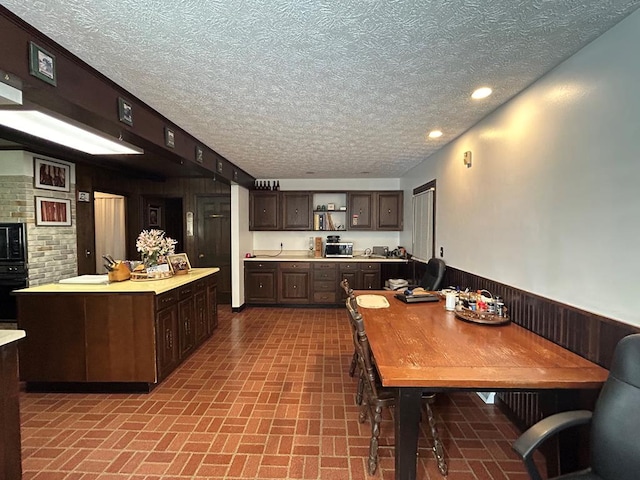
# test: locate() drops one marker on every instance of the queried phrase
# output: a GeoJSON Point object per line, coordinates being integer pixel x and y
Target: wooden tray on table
{"type": "Point", "coordinates": [483, 318]}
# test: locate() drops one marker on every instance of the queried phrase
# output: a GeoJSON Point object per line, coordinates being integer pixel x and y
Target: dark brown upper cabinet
{"type": "Point", "coordinates": [360, 210]}
{"type": "Point", "coordinates": [264, 209]}
{"type": "Point", "coordinates": [296, 210]}
{"type": "Point", "coordinates": [389, 210]}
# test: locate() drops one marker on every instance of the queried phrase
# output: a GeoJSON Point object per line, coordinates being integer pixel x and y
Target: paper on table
{"type": "Point", "coordinates": [372, 301]}
{"type": "Point", "coordinates": [87, 280]}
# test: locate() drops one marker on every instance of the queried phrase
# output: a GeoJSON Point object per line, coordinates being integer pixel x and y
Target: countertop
{"type": "Point", "coordinates": [8, 336]}
{"type": "Point", "coordinates": [303, 258]}
{"type": "Point", "coordinates": [128, 286]}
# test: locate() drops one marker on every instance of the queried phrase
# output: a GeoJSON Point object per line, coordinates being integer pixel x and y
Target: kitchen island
{"type": "Point", "coordinates": [10, 453]}
{"type": "Point", "coordinates": [121, 336]}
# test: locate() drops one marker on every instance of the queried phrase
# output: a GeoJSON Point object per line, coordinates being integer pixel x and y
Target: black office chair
{"type": "Point", "coordinates": [432, 277]}
{"type": "Point", "coordinates": [615, 423]}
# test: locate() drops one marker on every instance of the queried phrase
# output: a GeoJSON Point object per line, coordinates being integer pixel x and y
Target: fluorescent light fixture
{"type": "Point", "coordinates": [435, 134]}
{"type": "Point", "coordinates": [10, 95]}
{"type": "Point", "coordinates": [480, 93]}
{"type": "Point", "coordinates": [63, 132]}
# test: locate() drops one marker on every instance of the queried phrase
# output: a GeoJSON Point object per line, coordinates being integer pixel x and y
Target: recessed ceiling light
{"type": "Point", "coordinates": [435, 134]}
{"type": "Point", "coordinates": [483, 92]}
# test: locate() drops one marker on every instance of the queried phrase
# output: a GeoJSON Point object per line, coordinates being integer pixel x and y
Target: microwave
{"type": "Point", "coordinates": [340, 249]}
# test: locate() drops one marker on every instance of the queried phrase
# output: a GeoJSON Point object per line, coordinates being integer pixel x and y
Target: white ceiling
{"type": "Point", "coordinates": [285, 87]}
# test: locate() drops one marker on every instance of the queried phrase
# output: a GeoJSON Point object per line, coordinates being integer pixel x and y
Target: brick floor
{"type": "Point", "coordinates": [267, 397]}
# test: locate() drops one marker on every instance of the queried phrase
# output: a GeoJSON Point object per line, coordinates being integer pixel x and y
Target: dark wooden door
{"type": "Point", "coordinates": [167, 339]}
{"type": "Point", "coordinates": [213, 244]}
{"type": "Point", "coordinates": [296, 211]}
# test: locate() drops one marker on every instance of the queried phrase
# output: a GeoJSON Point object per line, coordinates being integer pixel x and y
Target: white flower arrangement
{"type": "Point", "coordinates": [154, 246]}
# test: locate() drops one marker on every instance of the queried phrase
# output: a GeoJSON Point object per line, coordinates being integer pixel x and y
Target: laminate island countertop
{"type": "Point", "coordinates": [127, 286]}
{"type": "Point", "coordinates": [8, 336]}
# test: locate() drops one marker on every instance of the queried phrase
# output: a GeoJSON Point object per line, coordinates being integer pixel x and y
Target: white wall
{"type": "Point", "coordinates": [551, 204]}
{"type": "Point", "coordinates": [241, 241]}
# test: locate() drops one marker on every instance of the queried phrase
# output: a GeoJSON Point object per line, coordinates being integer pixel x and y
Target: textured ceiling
{"type": "Point", "coordinates": [284, 87]}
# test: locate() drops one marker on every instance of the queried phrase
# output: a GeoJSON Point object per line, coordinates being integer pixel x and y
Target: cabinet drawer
{"type": "Point", "coordinates": [322, 286]}
{"type": "Point", "coordinates": [324, 266]}
{"type": "Point", "coordinates": [258, 266]}
{"type": "Point", "coordinates": [349, 267]}
{"type": "Point", "coordinates": [166, 299]}
{"type": "Point", "coordinates": [295, 266]}
{"type": "Point", "coordinates": [328, 275]}
{"type": "Point", "coordinates": [186, 291]}
{"type": "Point", "coordinates": [324, 297]}
{"type": "Point", "coordinates": [369, 267]}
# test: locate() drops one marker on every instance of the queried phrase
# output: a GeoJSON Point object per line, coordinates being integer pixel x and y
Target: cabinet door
{"type": "Point", "coordinates": [296, 211]}
{"type": "Point", "coordinates": [260, 284]}
{"type": "Point", "coordinates": [264, 211]}
{"type": "Point", "coordinates": [369, 274]}
{"type": "Point", "coordinates": [167, 340]}
{"type": "Point", "coordinates": [389, 208]}
{"type": "Point", "coordinates": [294, 281]}
{"type": "Point", "coordinates": [187, 323]}
{"type": "Point", "coordinates": [200, 303]}
{"type": "Point", "coordinates": [360, 211]}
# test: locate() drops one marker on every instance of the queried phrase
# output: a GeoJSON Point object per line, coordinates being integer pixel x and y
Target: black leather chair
{"type": "Point", "coordinates": [615, 423]}
{"type": "Point", "coordinates": [432, 277]}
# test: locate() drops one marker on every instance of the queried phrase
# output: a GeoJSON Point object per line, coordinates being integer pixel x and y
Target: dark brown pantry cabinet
{"type": "Point", "coordinates": [132, 333]}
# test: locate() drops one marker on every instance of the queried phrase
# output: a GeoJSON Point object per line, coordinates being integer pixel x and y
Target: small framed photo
{"type": "Point", "coordinates": [199, 154]}
{"type": "Point", "coordinates": [42, 64]}
{"type": "Point", "coordinates": [53, 212]}
{"type": "Point", "coordinates": [169, 137]}
{"type": "Point", "coordinates": [50, 175]}
{"type": "Point", "coordinates": [155, 214]}
{"type": "Point", "coordinates": [125, 111]}
{"type": "Point", "coordinates": [331, 206]}
{"type": "Point", "coordinates": [179, 262]}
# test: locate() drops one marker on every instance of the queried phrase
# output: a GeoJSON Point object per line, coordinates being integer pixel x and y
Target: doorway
{"type": "Point", "coordinates": [213, 221]}
{"type": "Point", "coordinates": [110, 227]}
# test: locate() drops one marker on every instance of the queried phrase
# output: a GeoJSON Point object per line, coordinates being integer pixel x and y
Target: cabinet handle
{"type": "Point", "coordinates": [260, 286]}
{"type": "Point", "coordinates": [169, 338]}
{"type": "Point", "coordinates": [295, 286]}
{"type": "Point", "coordinates": [389, 211]}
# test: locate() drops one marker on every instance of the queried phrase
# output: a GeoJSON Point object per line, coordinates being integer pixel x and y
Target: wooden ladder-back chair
{"type": "Point", "coordinates": [376, 397]}
{"type": "Point", "coordinates": [354, 359]}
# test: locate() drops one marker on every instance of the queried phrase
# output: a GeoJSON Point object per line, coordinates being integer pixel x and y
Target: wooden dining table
{"type": "Point", "coordinates": [423, 347]}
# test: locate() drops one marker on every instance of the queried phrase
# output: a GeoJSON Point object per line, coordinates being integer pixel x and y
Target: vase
{"type": "Point", "coordinates": [150, 260]}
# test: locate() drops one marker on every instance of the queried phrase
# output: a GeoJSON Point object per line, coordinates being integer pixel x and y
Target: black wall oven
{"type": "Point", "coordinates": [13, 267]}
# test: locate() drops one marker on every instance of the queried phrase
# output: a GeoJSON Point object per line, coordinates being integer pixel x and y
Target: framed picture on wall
{"type": "Point", "coordinates": [154, 216]}
{"type": "Point", "coordinates": [42, 64]}
{"type": "Point", "coordinates": [50, 175]}
{"type": "Point", "coordinates": [53, 212]}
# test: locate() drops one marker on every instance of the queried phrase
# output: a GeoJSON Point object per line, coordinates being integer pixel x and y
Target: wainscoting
{"type": "Point", "coordinates": [591, 336]}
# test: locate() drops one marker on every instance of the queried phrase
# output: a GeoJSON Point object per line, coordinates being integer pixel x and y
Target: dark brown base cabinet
{"type": "Point", "coordinates": [113, 338]}
{"type": "Point", "coordinates": [306, 283]}
{"type": "Point", "coordinates": [10, 454]}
